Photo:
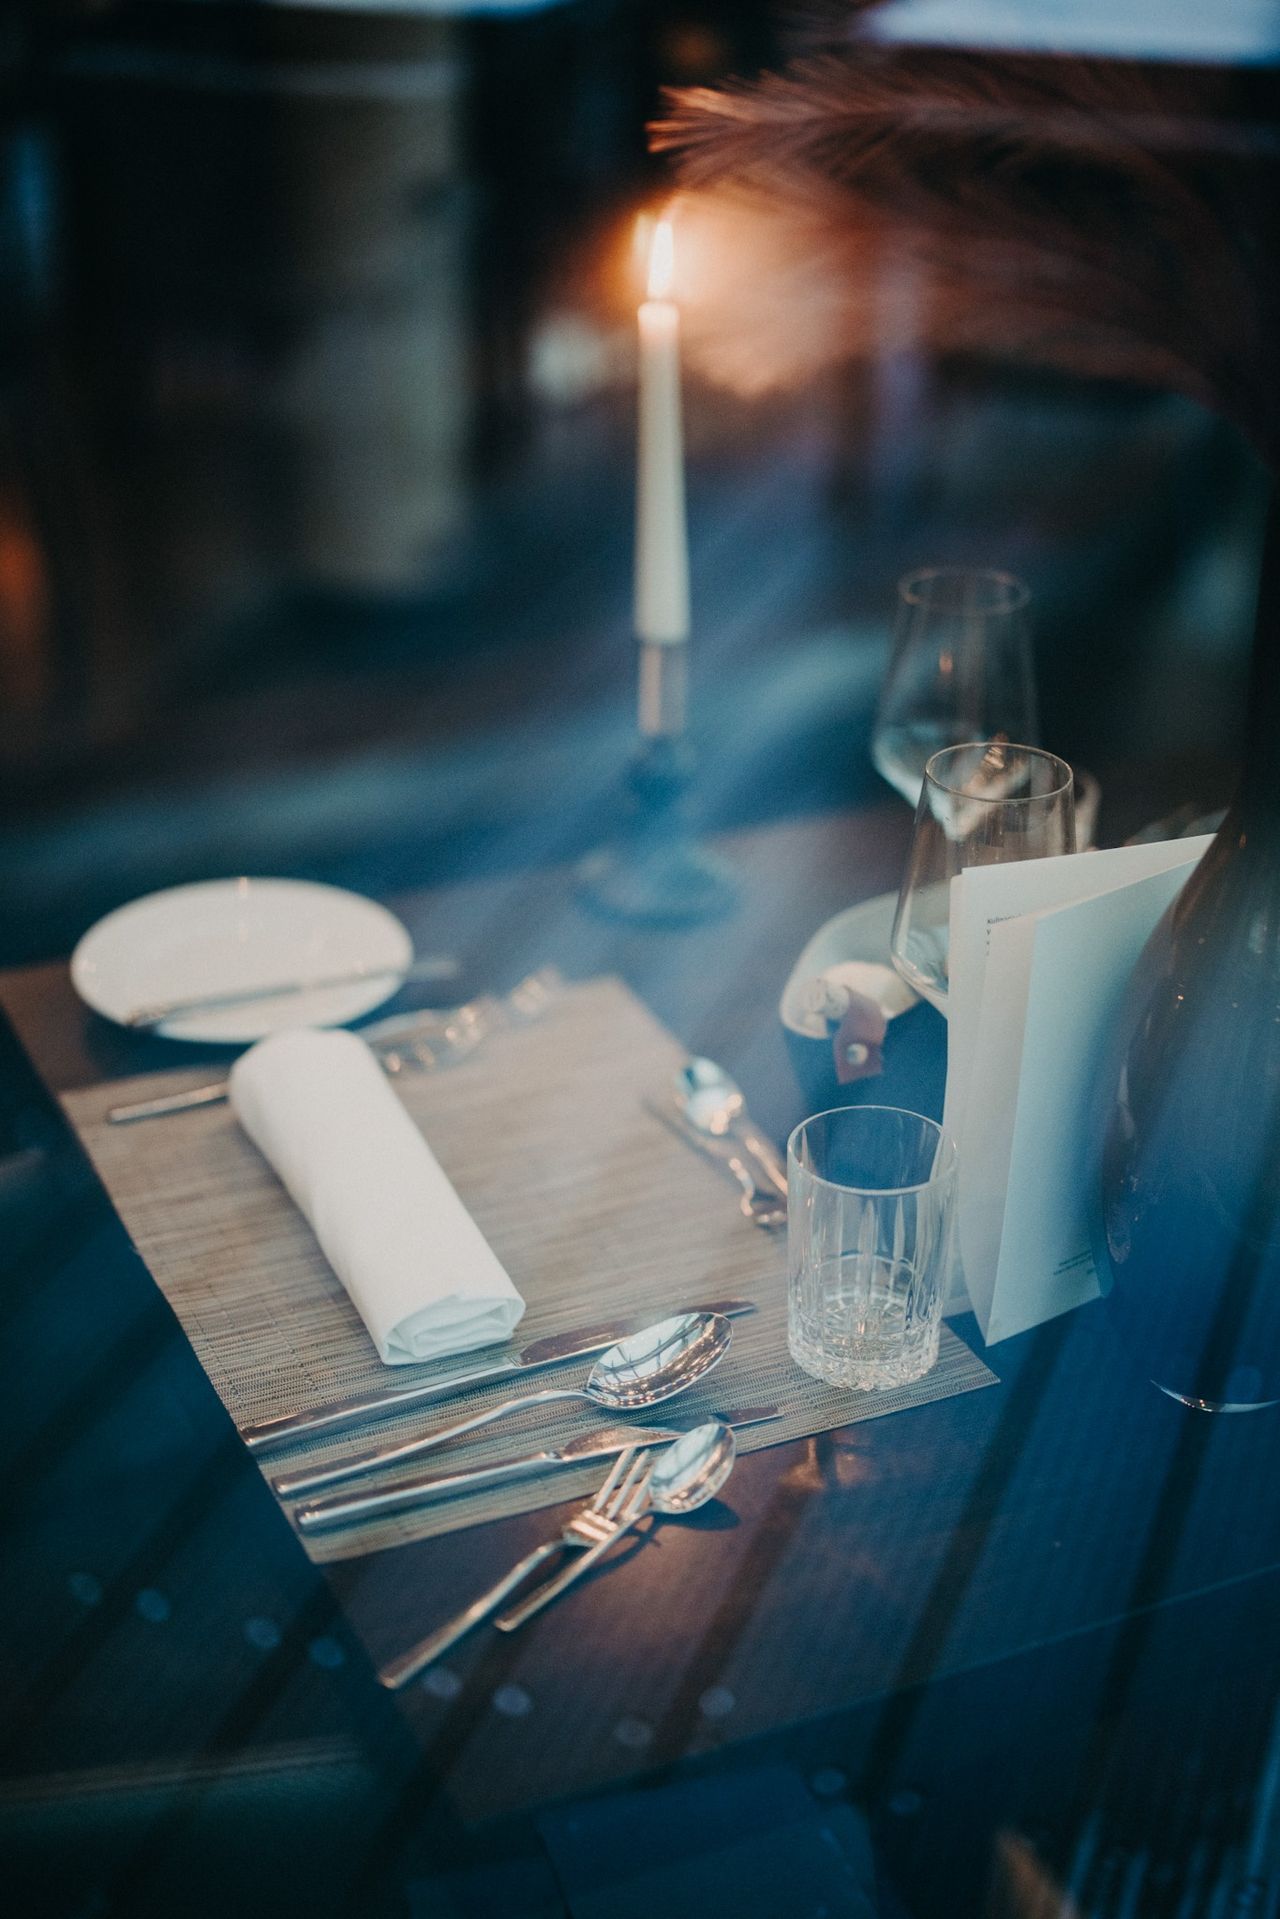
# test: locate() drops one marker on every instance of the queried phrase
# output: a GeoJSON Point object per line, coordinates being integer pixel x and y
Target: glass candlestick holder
{"type": "Point", "coordinates": [657, 872]}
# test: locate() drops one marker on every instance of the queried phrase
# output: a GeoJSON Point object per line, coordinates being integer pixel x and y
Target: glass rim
{"type": "Point", "coordinates": [1019, 593]}
{"type": "Point", "coordinates": [936, 1178]}
{"type": "Point", "coordinates": [1066, 782]}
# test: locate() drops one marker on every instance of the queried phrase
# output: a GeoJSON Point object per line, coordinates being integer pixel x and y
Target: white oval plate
{"type": "Point", "coordinates": [224, 936]}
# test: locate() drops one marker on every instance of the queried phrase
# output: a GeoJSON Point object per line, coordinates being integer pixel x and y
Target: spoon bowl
{"type": "Point", "coordinates": [712, 1103]}
{"type": "Point", "coordinates": [692, 1471]}
{"type": "Point", "coordinates": [710, 1100]}
{"type": "Point", "coordinates": [659, 1362]}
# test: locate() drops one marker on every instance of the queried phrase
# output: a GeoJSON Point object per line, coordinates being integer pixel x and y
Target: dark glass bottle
{"type": "Point", "coordinates": [1187, 1238]}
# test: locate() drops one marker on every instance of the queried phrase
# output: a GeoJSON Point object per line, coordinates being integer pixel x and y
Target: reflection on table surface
{"type": "Point", "coordinates": [316, 535]}
{"type": "Point", "coordinates": [1003, 1640]}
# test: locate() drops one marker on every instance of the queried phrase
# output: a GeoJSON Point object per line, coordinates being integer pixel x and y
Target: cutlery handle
{"type": "Point", "coordinates": [759, 1206]}
{"type": "Point", "coordinates": [345, 1412]}
{"type": "Point", "coordinates": [168, 1103]}
{"type": "Point", "coordinates": [348, 1507]}
{"type": "Point", "coordinates": [398, 1672]}
{"type": "Point", "coordinates": [289, 1485]}
{"type": "Point", "coordinates": [553, 1588]}
{"type": "Point", "coordinates": [766, 1158]}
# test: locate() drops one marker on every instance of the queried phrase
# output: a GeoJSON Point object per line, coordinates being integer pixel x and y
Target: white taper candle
{"type": "Point", "coordinates": [662, 546]}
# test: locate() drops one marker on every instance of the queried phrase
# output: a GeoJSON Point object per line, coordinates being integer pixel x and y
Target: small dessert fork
{"type": "Point", "coordinates": [595, 1525]}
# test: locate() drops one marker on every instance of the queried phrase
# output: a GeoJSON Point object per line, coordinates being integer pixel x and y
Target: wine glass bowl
{"type": "Point", "coordinates": [961, 669]}
{"type": "Point", "coordinates": [983, 803]}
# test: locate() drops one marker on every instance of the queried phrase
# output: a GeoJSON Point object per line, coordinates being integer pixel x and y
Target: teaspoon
{"type": "Point", "coordinates": [713, 1104]}
{"type": "Point", "coordinates": [639, 1371]}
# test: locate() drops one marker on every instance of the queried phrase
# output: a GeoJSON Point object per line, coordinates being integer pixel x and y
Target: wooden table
{"type": "Point", "coordinates": [987, 1621]}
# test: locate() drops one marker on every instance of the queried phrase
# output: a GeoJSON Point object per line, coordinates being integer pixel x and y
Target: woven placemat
{"type": "Point", "coordinates": [589, 1201]}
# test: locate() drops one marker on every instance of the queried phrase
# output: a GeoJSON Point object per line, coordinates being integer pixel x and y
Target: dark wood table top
{"type": "Point", "coordinates": [1023, 1587]}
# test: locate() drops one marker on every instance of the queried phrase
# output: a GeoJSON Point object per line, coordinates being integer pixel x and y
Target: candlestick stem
{"type": "Point", "coordinates": [663, 689]}
{"type": "Point", "coordinates": [657, 873]}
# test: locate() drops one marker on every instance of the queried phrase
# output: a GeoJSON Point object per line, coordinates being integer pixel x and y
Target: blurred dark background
{"type": "Point", "coordinates": [316, 442]}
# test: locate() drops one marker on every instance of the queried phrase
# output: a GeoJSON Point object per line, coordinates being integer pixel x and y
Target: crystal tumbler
{"type": "Point", "coordinates": [871, 1205]}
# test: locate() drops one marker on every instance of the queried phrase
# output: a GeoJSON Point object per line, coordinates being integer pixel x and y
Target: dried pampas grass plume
{"type": "Point", "coordinates": [1076, 215]}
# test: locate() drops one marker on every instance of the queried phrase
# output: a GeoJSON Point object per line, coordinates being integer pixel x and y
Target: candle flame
{"type": "Point", "coordinates": [641, 247]}
{"type": "Point", "coordinates": [662, 261]}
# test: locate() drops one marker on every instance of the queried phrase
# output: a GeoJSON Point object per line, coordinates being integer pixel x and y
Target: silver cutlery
{"type": "Point", "coordinates": [639, 1371]}
{"type": "Point", "coordinates": [432, 966]}
{"type": "Point", "coordinates": [405, 1042]}
{"type": "Point", "coordinates": [763, 1209]}
{"type": "Point", "coordinates": [583, 1342]}
{"type": "Point", "coordinates": [346, 1508]}
{"type": "Point", "coordinates": [713, 1104]}
{"type": "Point", "coordinates": [587, 1527]}
{"type": "Point", "coordinates": [420, 1041]}
{"type": "Point", "coordinates": [210, 1095]}
{"type": "Point", "coordinates": [680, 1480]}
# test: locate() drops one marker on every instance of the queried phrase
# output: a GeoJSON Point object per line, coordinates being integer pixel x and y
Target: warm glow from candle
{"type": "Point", "coordinates": [662, 261]}
{"type": "Point", "coordinates": [641, 248]}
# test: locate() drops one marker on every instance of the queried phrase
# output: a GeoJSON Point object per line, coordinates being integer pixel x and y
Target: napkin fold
{"type": "Point", "coordinates": [420, 1273]}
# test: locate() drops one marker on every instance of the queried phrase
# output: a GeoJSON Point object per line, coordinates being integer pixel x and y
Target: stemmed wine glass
{"type": "Point", "coordinates": [981, 804]}
{"type": "Point", "coordinates": [960, 670]}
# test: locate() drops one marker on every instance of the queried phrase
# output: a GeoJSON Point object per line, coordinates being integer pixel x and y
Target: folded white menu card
{"type": "Point", "coordinates": [1040, 953]}
{"type": "Point", "coordinates": [420, 1273]}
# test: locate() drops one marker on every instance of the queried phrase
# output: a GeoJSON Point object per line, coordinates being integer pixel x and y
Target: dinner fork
{"type": "Point", "coordinates": [631, 1509]}
{"type": "Point", "coordinates": [591, 1527]}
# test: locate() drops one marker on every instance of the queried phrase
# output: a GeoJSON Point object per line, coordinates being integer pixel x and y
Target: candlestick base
{"type": "Point", "coordinates": [670, 886]}
{"type": "Point", "coordinates": [657, 873]}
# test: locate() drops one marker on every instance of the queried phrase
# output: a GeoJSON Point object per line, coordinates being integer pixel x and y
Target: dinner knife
{"type": "Point", "coordinates": [431, 966]}
{"type": "Point", "coordinates": [764, 1209]}
{"type": "Point", "coordinates": [581, 1343]}
{"type": "Point", "coordinates": [427, 1487]}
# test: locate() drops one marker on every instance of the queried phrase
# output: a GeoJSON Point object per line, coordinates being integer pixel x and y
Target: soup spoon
{"type": "Point", "coordinates": [639, 1371]}
{"type": "Point", "coordinates": [683, 1477]}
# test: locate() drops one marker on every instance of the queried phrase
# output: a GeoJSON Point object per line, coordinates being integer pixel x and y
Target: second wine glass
{"type": "Point", "coordinates": [960, 670]}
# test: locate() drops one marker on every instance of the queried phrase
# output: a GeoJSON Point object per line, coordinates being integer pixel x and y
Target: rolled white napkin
{"type": "Point", "coordinates": [419, 1271]}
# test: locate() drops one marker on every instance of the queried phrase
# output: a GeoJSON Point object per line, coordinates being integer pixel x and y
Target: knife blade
{"type": "Point", "coordinates": [428, 966]}
{"type": "Point", "coordinates": [581, 1343]}
{"type": "Point", "coordinates": [427, 1487]}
